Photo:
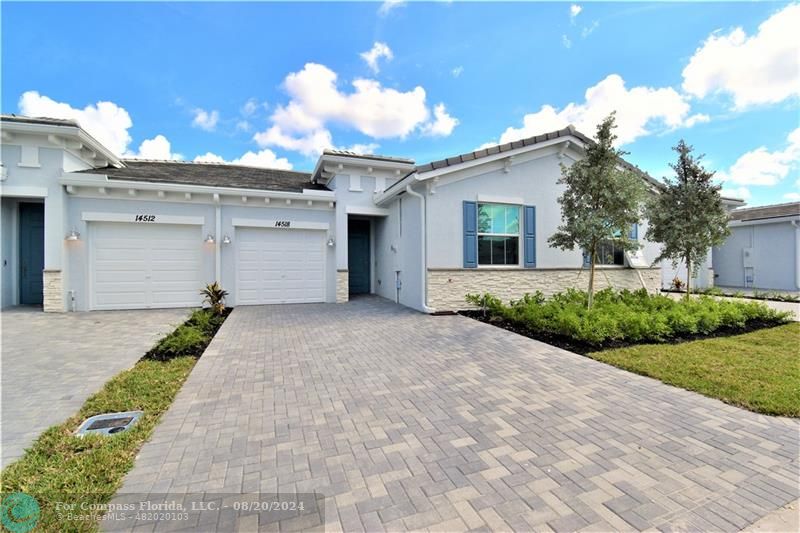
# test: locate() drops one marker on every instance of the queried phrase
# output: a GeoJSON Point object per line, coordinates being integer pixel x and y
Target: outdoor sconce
{"type": "Point", "coordinates": [226, 240]}
{"type": "Point", "coordinates": [73, 236]}
{"type": "Point", "coordinates": [331, 242]}
{"type": "Point", "coordinates": [209, 239]}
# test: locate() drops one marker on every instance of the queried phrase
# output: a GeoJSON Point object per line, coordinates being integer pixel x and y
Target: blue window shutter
{"type": "Point", "coordinates": [529, 236]}
{"type": "Point", "coordinates": [470, 234]}
{"type": "Point", "coordinates": [634, 233]}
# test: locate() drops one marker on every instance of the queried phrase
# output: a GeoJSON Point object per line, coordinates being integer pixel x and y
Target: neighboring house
{"type": "Point", "coordinates": [763, 249]}
{"type": "Point", "coordinates": [84, 230]}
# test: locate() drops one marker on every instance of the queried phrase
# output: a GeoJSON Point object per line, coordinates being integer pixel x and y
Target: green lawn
{"type": "Point", "coordinates": [759, 371]}
{"type": "Point", "coordinates": [60, 467]}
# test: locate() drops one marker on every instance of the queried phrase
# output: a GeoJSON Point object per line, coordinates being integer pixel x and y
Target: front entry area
{"type": "Point", "coordinates": [358, 254]}
{"type": "Point", "coordinates": [31, 253]}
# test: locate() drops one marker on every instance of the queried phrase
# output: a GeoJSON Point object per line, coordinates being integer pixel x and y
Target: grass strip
{"type": "Point", "coordinates": [759, 371]}
{"type": "Point", "coordinates": [60, 467]}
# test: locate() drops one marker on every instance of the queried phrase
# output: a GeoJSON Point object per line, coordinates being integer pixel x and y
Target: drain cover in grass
{"type": "Point", "coordinates": [108, 423]}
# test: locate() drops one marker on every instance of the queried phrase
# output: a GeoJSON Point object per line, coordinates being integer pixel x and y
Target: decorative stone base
{"type": "Point", "coordinates": [447, 288]}
{"type": "Point", "coordinates": [53, 301]}
{"type": "Point", "coordinates": [342, 286]}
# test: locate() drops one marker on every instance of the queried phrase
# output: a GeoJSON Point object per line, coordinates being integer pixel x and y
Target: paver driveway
{"type": "Point", "coordinates": [52, 362]}
{"type": "Point", "coordinates": [405, 421]}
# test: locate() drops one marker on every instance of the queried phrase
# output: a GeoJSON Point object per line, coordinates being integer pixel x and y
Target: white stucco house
{"type": "Point", "coordinates": [763, 249]}
{"type": "Point", "coordinates": [84, 230]}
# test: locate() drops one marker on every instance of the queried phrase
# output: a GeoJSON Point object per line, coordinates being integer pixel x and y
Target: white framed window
{"type": "Point", "coordinates": [498, 234]}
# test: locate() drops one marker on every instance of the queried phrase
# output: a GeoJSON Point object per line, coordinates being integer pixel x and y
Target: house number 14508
{"type": "Point", "coordinates": [282, 223]}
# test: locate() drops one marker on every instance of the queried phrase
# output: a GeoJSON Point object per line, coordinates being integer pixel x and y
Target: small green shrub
{"type": "Point", "coordinates": [187, 339]}
{"type": "Point", "coordinates": [626, 316]}
{"type": "Point", "coordinates": [214, 296]}
{"type": "Point", "coordinates": [206, 321]}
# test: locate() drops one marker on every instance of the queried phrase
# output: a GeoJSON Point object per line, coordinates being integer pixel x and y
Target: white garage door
{"type": "Point", "coordinates": [136, 266]}
{"type": "Point", "coordinates": [275, 266]}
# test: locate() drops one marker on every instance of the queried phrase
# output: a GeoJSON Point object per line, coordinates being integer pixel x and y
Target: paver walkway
{"type": "Point", "coordinates": [52, 362]}
{"type": "Point", "coordinates": [405, 421]}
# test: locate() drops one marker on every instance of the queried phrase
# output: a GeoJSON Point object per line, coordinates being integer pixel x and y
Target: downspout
{"type": "Point", "coordinates": [423, 208]}
{"type": "Point", "coordinates": [796, 224]}
{"type": "Point", "coordinates": [218, 244]}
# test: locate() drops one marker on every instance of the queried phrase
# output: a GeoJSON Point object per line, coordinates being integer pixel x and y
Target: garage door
{"type": "Point", "coordinates": [276, 266]}
{"type": "Point", "coordinates": [135, 266]}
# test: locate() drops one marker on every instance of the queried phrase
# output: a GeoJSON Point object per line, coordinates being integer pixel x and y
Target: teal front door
{"type": "Point", "coordinates": [358, 256]}
{"type": "Point", "coordinates": [31, 253]}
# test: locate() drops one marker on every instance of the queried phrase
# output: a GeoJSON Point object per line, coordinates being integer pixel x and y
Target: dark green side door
{"type": "Point", "coordinates": [358, 256]}
{"type": "Point", "coordinates": [31, 253]}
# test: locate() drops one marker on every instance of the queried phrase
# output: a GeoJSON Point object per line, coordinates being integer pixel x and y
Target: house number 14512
{"type": "Point", "coordinates": [144, 218]}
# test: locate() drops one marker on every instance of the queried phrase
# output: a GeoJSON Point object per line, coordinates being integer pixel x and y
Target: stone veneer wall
{"type": "Point", "coordinates": [342, 286]}
{"type": "Point", "coordinates": [447, 288]}
{"type": "Point", "coordinates": [53, 301]}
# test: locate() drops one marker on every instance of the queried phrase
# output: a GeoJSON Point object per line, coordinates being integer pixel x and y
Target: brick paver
{"type": "Point", "coordinates": [405, 421]}
{"type": "Point", "coordinates": [52, 362]}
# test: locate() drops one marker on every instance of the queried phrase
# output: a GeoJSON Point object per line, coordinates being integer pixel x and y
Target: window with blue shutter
{"type": "Point", "coordinates": [634, 233]}
{"type": "Point", "coordinates": [529, 236]}
{"type": "Point", "coordinates": [470, 234]}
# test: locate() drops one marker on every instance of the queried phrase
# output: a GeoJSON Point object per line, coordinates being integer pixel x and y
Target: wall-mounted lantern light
{"type": "Point", "coordinates": [331, 242]}
{"type": "Point", "coordinates": [73, 236]}
{"type": "Point", "coordinates": [226, 240]}
{"type": "Point", "coordinates": [209, 239]}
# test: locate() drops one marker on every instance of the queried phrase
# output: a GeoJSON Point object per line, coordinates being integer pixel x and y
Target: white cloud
{"type": "Point", "coordinates": [263, 158]}
{"type": "Point", "coordinates": [456, 72]}
{"type": "Point", "coordinates": [156, 148]}
{"type": "Point", "coordinates": [759, 69]}
{"type": "Point", "coordinates": [205, 120]}
{"type": "Point", "coordinates": [762, 167]}
{"type": "Point", "coordinates": [209, 157]}
{"type": "Point", "coordinates": [574, 11]}
{"type": "Point", "coordinates": [390, 5]}
{"type": "Point", "coordinates": [587, 30]}
{"type": "Point", "coordinates": [310, 144]}
{"type": "Point", "coordinates": [249, 108]}
{"type": "Point", "coordinates": [742, 193]}
{"type": "Point", "coordinates": [243, 125]}
{"type": "Point", "coordinates": [379, 50]}
{"type": "Point", "coordinates": [442, 124]}
{"type": "Point", "coordinates": [640, 110]}
{"type": "Point", "coordinates": [565, 41]}
{"type": "Point", "coordinates": [371, 109]}
{"type": "Point", "coordinates": [792, 196]}
{"type": "Point", "coordinates": [105, 121]}
{"type": "Point", "coordinates": [362, 148]}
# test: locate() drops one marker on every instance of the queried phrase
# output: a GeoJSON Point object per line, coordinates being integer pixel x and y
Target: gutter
{"type": "Point", "coordinates": [796, 224]}
{"type": "Point", "coordinates": [423, 210]}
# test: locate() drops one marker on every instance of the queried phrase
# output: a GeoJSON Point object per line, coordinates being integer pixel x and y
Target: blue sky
{"type": "Point", "coordinates": [272, 83]}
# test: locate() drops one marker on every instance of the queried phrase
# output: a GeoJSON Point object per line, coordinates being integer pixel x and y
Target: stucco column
{"type": "Point", "coordinates": [53, 278]}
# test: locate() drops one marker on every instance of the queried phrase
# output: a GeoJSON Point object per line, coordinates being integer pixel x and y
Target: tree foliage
{"type": "Point", "coordinates": [687, 217]}
{"type": "Point", "coordinates": [601, 201]}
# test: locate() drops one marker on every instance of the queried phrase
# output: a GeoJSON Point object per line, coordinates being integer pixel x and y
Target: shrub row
{"type": "Point", "coordinates": [190, 338]}
{"type": "Point", "coordinates": [627, 316]}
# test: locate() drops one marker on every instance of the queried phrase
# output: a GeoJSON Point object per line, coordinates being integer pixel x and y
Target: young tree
{"type": "Point", "coordinates": [601, 202]}
{"type": "Point", "coordinates": [687, 217]}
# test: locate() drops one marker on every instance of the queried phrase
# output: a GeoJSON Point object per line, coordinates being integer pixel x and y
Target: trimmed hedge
{"type": "Point", "coordinates": [627, 317]}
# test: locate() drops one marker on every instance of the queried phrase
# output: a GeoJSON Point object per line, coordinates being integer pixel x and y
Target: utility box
{"type": "Point", "coordinates": [747, 258]}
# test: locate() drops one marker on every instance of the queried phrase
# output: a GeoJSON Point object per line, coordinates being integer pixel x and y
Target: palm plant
{"type": "Point", "coordinates": [215, 297]}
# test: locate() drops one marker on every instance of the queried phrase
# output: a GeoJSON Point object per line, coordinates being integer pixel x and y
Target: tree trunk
{"type": "Point", "coordinates": [591, 280]}
{"type": "Point", "coordinates": [688, 277]}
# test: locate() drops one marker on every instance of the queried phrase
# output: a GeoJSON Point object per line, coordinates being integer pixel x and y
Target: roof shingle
{"type": "Point", "coordinates": [211, 175]}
